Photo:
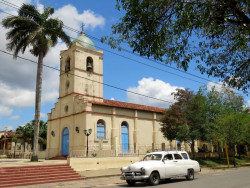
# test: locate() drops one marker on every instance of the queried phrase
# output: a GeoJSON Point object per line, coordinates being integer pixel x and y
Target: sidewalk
{"type": "Point", "coordinates": [26, 162]}
{"type": "Point", "coordinates": [90, 174]}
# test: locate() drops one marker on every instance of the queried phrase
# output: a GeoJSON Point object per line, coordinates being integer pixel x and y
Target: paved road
{"type": "Point", "coordinates": [239, 178]}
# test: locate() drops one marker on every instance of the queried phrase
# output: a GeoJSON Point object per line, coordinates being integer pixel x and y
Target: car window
{"type": "Point", "coordinates": [168, 157]}
{"type": "Point", "coordinates": [177, 157]}
{"type": "Point", "coordinates": [152, 157]}
{"type": "Point", "coordinates": [184, 155]}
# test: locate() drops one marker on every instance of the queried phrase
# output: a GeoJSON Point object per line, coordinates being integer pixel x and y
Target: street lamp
{"type": "Point", "coordinates": [87, 133]}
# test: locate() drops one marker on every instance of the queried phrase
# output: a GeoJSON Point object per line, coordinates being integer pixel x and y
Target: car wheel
{"type": "Point", "coordinates": [154, 178]}
{"type": "Point", "coordinates": [131, 182]}
{"type": "Point", "coordinates": [190, 174]}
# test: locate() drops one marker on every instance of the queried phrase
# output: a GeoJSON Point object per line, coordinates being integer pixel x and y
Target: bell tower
{"type": "Point", "coordinates": [82, 70]}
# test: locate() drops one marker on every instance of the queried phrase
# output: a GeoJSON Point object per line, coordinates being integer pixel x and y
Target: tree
{"type": "Point", "coordinates": [235, 127]}
{"type": "Point", "coordinates": [226, 118]}
{"type": "Point", "coordinates": [31, 28]}
{"type": "Point", "coordinates": [214, 34]}
{"type": "Point", "coordinates": [27, 132]}
{"type": "Point", "coordinates": [186, 119]}
{"type": "Point", "coordinates": [214, 110]}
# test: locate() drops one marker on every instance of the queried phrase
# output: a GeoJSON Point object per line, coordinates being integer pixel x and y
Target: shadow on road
{"type": "Point", "coordinates": [146, 184]}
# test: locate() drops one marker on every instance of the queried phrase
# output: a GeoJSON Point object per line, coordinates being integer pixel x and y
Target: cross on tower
{"type": "Point", "coordinates": [82, 26]}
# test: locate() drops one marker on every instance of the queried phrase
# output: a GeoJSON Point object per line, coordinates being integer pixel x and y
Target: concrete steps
{"type": "Point", "coordinates": [40, 174]}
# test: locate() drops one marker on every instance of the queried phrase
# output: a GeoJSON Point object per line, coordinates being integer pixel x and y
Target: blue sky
{"type": "Point", "coordinates": [17, 77]}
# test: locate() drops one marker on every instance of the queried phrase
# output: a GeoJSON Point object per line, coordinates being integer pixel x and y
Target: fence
{"type": "Point", "coordinates": [91, 154]}
{"type": "Point", "coordinates": [100, 153]}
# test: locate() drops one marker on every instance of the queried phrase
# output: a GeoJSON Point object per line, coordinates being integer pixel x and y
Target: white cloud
{"type": "Point", "coordinates": [112, 99]}
{"type": "Point", "coordinates": [70, 17]}
{"type": "Point", "coordinates": [5, 110]}
{"type": "Point", "coordinates": [6, 127]}
{"type": "Point", "coordinates": [7, 6]}
{"type": "Point", "coordinates": [14, 117]}
{"type": "Point", "coordinates": [248, 103]}
{"type": "Point", "coordinates": [17, 97]}
{"type": "Point", "coordinates": [42, 115]}
{"type": "Point", "coordinates": [217, 86]}
{"type": "Point", "coordinates": [154, 88]}
{"type": "Point", "coordinates": [39, 6]}
{"type": "Point", "coordinates": [18, 77]}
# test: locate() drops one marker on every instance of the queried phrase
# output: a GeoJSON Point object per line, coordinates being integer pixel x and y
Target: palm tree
{"type": "Point", "coordinates": [38, 30]}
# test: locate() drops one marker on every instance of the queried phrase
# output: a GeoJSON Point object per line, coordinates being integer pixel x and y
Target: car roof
{"type": "Point", "coordinates": [168, 152]}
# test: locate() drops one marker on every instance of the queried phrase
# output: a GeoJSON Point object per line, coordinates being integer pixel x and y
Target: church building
{"type": "Point", "coordinates": [81, 110]}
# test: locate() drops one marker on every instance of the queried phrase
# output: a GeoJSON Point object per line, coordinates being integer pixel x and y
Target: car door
{"type": "Point", "coordinates": [169, 166]}
{"type": "Point", "coordinates": [180, 164]}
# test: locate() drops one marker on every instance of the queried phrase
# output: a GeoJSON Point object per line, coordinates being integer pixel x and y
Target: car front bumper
{"type": "Point", "coordinates": [133, 176]}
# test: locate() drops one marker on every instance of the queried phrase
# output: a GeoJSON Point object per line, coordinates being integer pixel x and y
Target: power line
{"type": "Point", "coordinates": [137, 61]}
{"type": "Point", "coordinates": [115, 87]}
{"type": "Point", "coordinates": [92, 37]}
{"type": "Point", "coordinates": [77, 31]}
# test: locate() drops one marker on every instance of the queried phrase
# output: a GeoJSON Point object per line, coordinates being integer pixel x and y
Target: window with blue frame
{"type": "Point", "coordinates": [101, 129]}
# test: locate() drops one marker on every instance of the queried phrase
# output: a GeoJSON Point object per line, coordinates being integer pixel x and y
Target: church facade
{"type": "Point", "coordinates": [113, 125]}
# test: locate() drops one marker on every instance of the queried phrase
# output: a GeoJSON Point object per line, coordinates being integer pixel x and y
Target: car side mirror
{"type": "Point", "coordinates": [163, 160]}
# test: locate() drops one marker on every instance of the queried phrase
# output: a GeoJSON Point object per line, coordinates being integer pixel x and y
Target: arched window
{"type": "Point", "coordinates": [89, 64]}
{"type": "Point", "coordinates": [125, 137]}
{"type": "Point", "coordinates": [67, 65]}
{"type": "Point", "coordinates": [101, 129]}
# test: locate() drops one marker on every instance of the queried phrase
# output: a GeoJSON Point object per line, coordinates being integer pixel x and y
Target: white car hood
{"type": "Point", "coordinates": [138, 165]}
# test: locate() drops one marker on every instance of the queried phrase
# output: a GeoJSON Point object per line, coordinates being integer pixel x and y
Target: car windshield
{"type": "Point", "coordinates": [149, 157]}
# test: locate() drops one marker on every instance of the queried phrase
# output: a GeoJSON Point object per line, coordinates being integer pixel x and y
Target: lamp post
{"type": "Point", "coordinates": [87, 133]}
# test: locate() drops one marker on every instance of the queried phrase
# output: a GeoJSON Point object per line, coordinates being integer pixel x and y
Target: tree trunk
{"type": "Point", "coordinates": [219, 152]}
{"type": "Point", "coordinates": [239, 150]}
{"type": "Point", "coordinates": [15, 150]}
{"type": "Point", "coordinates": [234, 156]}
{"type": "Point", "coordinates": [37, 105]}
{"type": "Point", "coordinates": [192, 149]}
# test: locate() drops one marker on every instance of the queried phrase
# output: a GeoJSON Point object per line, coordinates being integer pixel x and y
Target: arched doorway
{"type": "Point", "coordinates": [65, 141]}
{"type": "Point", "coordinates": [125, 137]}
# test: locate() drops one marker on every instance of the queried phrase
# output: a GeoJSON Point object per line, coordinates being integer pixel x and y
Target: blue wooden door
{"type": "Point", "coordinates": [65, 141]}
{"type": "Point", "coordinates": [125, 139]}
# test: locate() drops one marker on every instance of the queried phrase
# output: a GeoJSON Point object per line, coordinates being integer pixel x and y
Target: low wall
{"type": "Point", "coordinates": [42, 154]}
{"type": "Point", "coordinates": [204, 155]}
{"type": "Point", "coordinates": [82, 164]}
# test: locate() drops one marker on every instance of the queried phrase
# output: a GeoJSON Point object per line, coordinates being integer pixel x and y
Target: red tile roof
{"type": "Point", "coordinates": [10, 134]}
{"type": "Point", "coordinates": [120, 104]}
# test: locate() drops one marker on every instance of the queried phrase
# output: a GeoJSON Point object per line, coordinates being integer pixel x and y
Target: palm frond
{"type": "Point", "coordinates": [64, 37]}
{"type": "Point", "coordinates": [47, 12]}
{"type": "Point", "coordinates": [30, 12]}
{"type": "Point", "coordinates": [35, 29]}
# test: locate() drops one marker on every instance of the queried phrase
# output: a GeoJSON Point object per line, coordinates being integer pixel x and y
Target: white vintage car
{"type": "Point", "coordinates": [161, 165]}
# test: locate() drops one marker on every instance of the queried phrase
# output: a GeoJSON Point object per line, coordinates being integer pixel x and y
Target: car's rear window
{"type": "Point", "coordinates": [177, 157]}
{"type": "Point", "coordinates": [184, 155]}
